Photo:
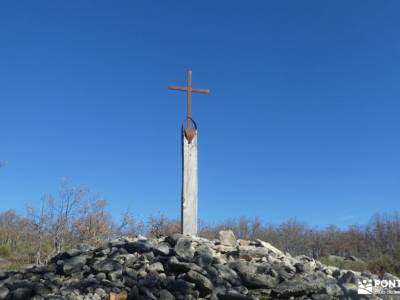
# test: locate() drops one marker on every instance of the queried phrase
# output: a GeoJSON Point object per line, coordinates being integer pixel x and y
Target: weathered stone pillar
{"type": "Point", "coordinates": [189, 185]}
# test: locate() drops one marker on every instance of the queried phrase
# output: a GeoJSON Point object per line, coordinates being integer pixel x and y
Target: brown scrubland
{"type": "Point", "coordinates": [77, 216]}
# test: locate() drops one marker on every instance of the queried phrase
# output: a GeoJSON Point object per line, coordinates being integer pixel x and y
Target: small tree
{"type": "Point", "coordinates": [93, 224]}
{"type": "Point", "coordinates": [65, 209]}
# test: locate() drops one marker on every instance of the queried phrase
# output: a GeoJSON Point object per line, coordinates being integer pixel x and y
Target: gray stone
{"type": "Point", "coordinates": [3, 275]}
{"type": "Point", "coordinates": [149, 255]}
{"type": "Point", "coordinates": [128, 260]}
{"type": "Point", "coordinates": [294, 288]}
{"type": "Point", "coordinates": [333, 289]}
{"type": "Point", "coordinates": [243, 267]}
{"type": "Point", "coordinates": [233, 296]}
{"type": "Point", "coordinates": [271, 248]}
{"type": "Point", "coordinates": [101, 276]}
{"type": "Point", "coordinates": [244, 242]}
{"type": "Point", "coordinates": [204, 256]}
{"type": "Point", "coordinates": [286, 271]}
{"type": "Point", "coordinates": [180, 286]}
{"type": "Point", "coordinates": [166, 295]}
{"type": "Point", "coordinates": [107, 265]}
{"type": "Point", "coordinates": [101, 292]}
{"type": "Point", "coordinates": [227, 238]}
{"type": "Point", "coordinates": [204, 285]}
{"type": "Point", "coordinates": [173, 239]}
{"type": "Point", "coordinates": [303, 267]}
{"type": "Point", "coordinates": [74, 252]}
{"type": "Point", "coordinates": [321, 297]}
{"type": "Point", "coordinates": [259, 280]}
{"type": "Point", "coordinates": [250, 276]}
{"type": "Point", "coordinates": [184, 248]}
{"type": "Point", "coordinates": [174, 265]}
{"type": "Point", "coordinates": [348, 277]}
{"type": "Point", "coordinates": [4, 292]}
{"type": "Point", "coordinates": [131, 273]}
{"type": "Point", "coordinates": [156, 267]}
{"type": "Point", "coordinates": [139, 246]}
{"type": "Point", "coordinates": [178, 267]}
{"type": "Point", "coordinates": [21, 293]}
{"type": "Point", "coordinates": [336, 273]}
{"type": "Point", "coordinates": [74, 264]}
{"type": "Point", "coordinates": [350, 290]}
{"type": "Point", "coordinates": [41, 289]}
{"type": "Point", "coordinates": [162, 249]}
{"type": "Point", "coordinates": [147, 292]}
{"type": "Point", "coordinates": [114, 275]}
{"type": "Point", "coordinates": [250, 253]}
{"type": "Point", "coordinates": [228, 274]}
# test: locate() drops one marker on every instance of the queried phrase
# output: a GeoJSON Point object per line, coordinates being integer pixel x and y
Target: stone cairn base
{"type": "Point", "coordinates": [183, 267]}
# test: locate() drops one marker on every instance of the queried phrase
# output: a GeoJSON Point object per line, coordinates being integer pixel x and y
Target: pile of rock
{"type": "Point", "coordinates": [182, 267]}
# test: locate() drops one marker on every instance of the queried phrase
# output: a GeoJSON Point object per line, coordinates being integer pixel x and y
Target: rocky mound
{"type": "Point", "coordinates": [182, 267]}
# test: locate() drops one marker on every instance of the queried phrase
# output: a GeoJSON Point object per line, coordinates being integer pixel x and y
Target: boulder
{"type": "Point", "coordinates": [166, 295]}
{"type": "Point", "coordinates": [107, 265]}
{"type": "Point", "coordinates": [74, 264]}
{"type": "Point", "coordinates": [204, 256]}
{"type": "Point", "coordinates": [204, 285]}
{"type": "Point", "coordinates": [162, 248]}
{"type": "Point", "coordinates": [259, 281]}
{"type": "Point", "coordinates": [184, 248]}
{"type": "Point", "coordinates": [138, 246]}
{"type": "Point", "coordinates": [156, 267]}
{"type": "Point", "coordinates": [21, 293]}
{"type": "Point", "coordinates": [180, 286]}
{"type": "Point", "coordinates": [4, 292]}
{"type": "Point", "coordinates": [271, 248]}
{"type": "Point", "coordinates": [249, 253]}
{"type": "Point", "coordinates": [233, 296]}
{"type": "Point", "coordinates": [227, 238]}
{"type": "Point", "coordinates": [348, 277]}
{"type": "Point", "coordinates": [228, 274]}
{"type": "Point", "coordinates": [295, 288]}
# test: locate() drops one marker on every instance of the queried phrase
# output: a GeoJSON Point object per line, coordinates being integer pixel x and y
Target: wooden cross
{"type": "Point", "coordinates": [189, 131]}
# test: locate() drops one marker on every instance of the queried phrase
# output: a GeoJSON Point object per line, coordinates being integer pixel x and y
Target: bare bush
{"type": "Point", "coordinates": [92, 224]}
{"type": "Point", "coordinates": [76, 216]}
{"type": "Point", "coordinates": [129, 226]}
{"type": "Point", "coordinates": [162, 226]}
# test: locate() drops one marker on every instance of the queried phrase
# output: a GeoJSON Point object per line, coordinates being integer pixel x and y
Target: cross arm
{"type": "Point", "coordinates": [184, 89]}
{"type": "Point", "coordinates": [201, 91]}
{"type": "Point", "coordinates": [178, 88]}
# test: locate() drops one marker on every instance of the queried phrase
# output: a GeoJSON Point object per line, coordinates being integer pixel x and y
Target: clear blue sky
{"type": "Point", "coordinates": [303, 118]}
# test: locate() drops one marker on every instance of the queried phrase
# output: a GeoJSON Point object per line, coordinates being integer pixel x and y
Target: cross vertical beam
{"type": "Point", "coordinates": [189, 162]}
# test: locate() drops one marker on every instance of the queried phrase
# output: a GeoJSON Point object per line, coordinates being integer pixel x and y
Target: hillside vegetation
{"type": "Point", "coordinates": [76, 216]}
